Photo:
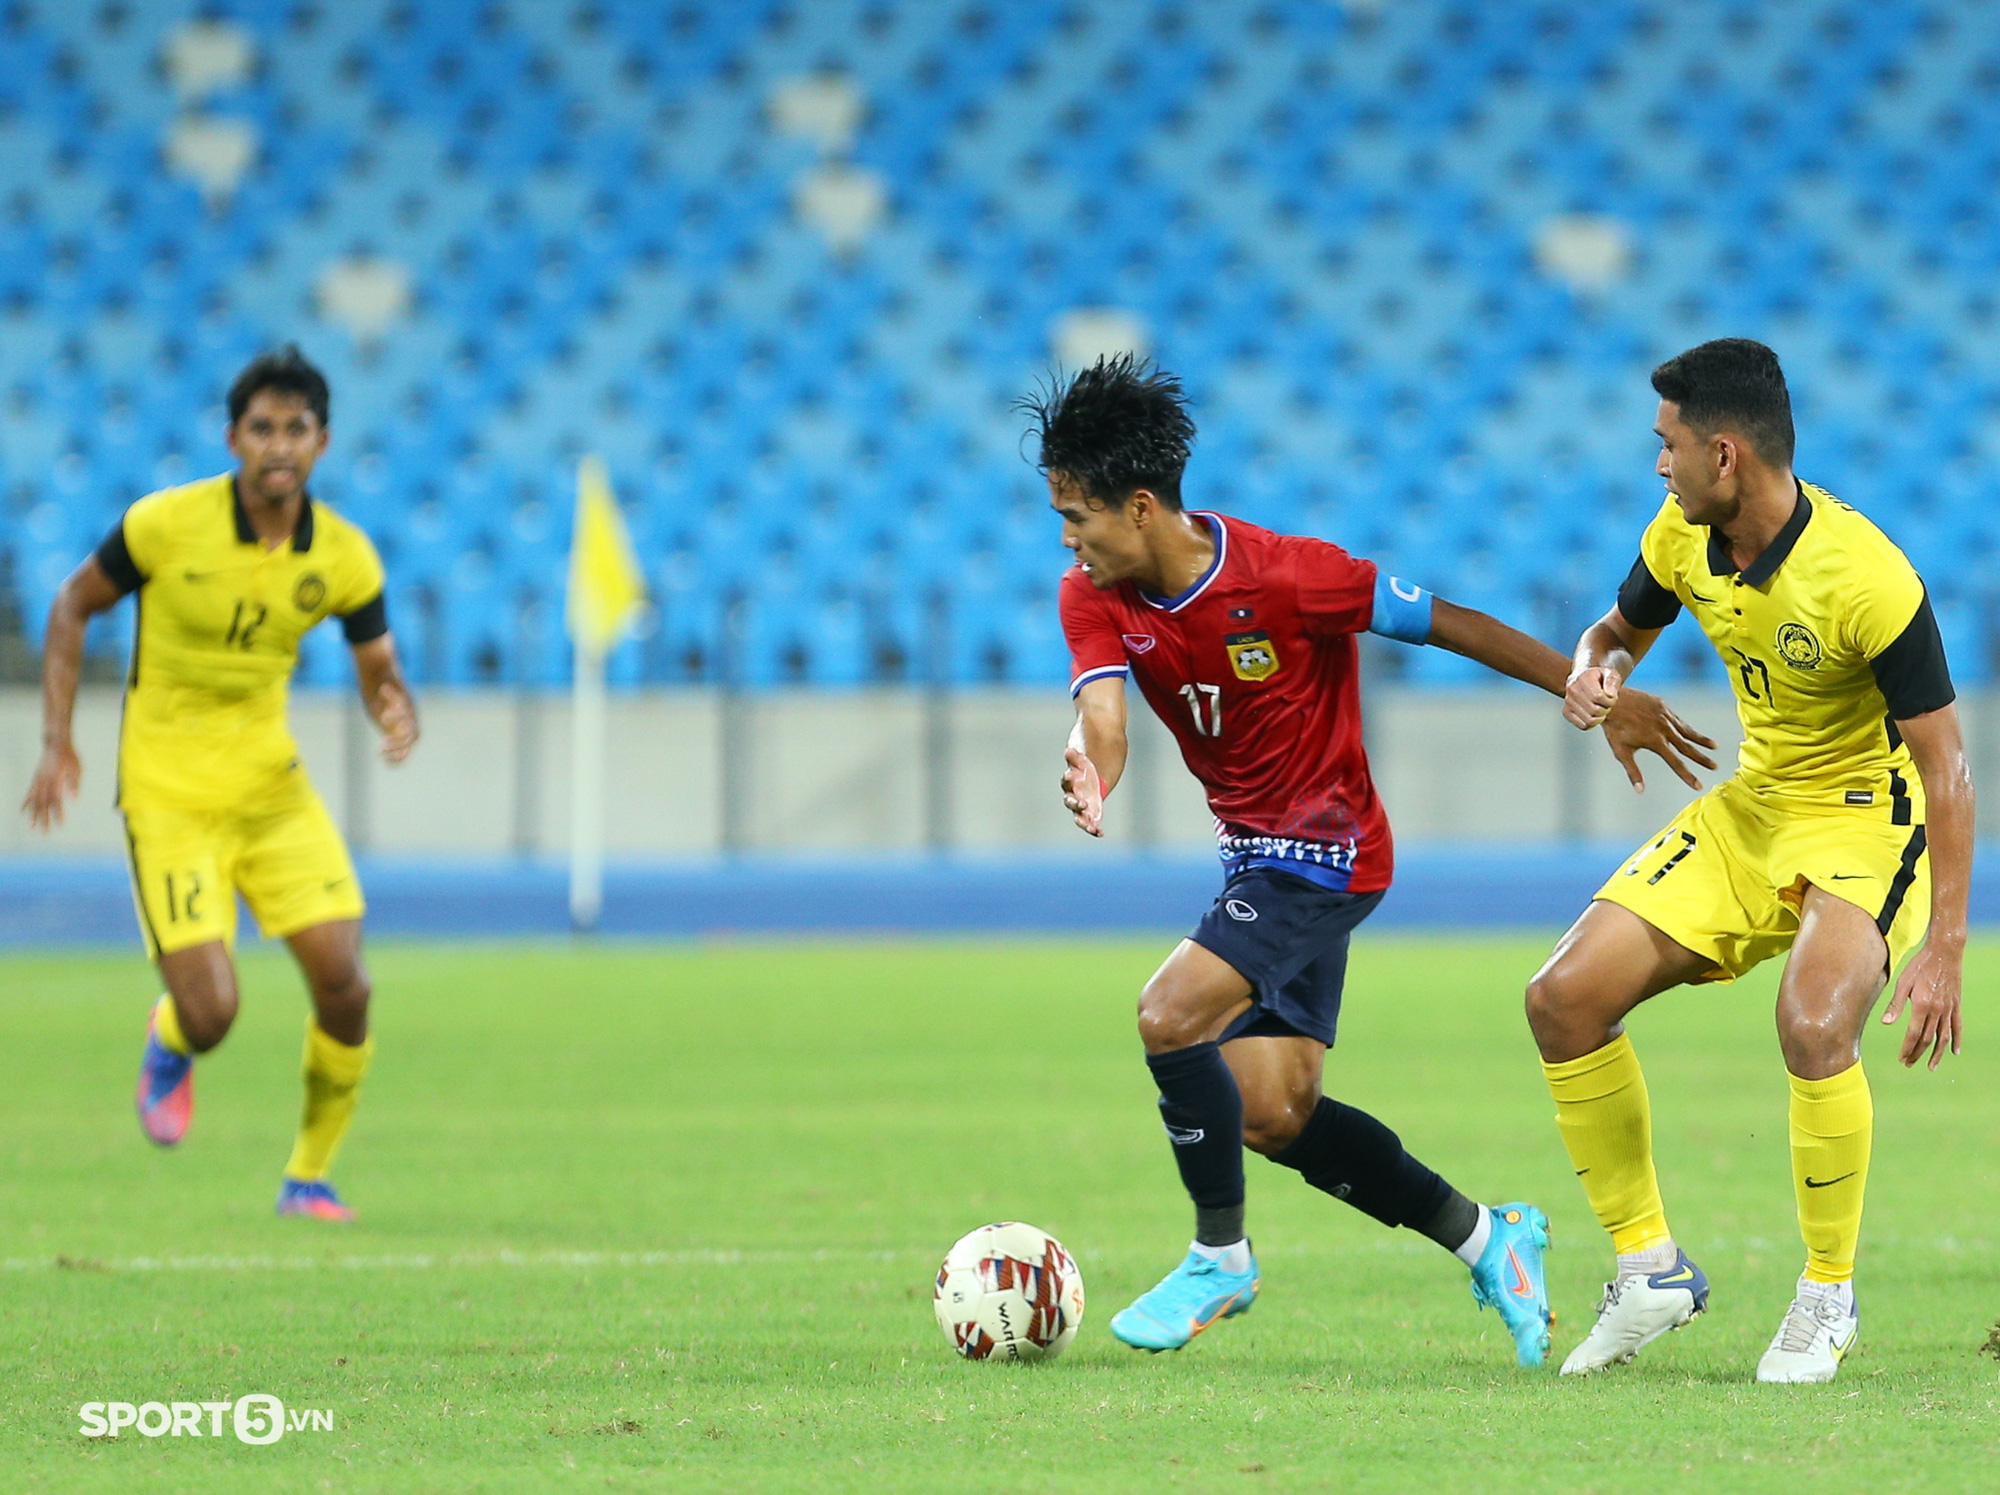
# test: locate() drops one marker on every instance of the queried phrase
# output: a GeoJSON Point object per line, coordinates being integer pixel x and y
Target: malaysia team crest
{"type": "Point", "coordinates": [1798, 646]}
{"type": "Point", "coordinates": [1251, 655]}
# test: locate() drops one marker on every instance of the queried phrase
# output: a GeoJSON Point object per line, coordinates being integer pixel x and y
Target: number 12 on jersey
{"type": "Point", "coordinates": [1210, 695]}
{"type": "Point", "coordinates": [249, 618]}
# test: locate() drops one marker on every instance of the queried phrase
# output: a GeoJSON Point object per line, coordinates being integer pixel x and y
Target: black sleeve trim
{"type": "Point", "coordinates": [1643, 601]}
{"type": "Point", "coordinates": [116, 560]}
{"type": "Point", "coordinates": [1912, 672]}
{"type": "Point", "coordinates": [367, 622]}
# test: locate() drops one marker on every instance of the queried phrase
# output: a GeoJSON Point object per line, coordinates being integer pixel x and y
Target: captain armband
{"type": "Point", "coordinates": [1402, 610]}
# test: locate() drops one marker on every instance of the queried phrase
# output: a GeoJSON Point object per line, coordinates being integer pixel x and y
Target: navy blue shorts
{"type": "Point", "coordinates": [1287, 937]}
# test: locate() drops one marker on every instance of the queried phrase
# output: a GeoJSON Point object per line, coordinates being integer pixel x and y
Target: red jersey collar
{"type": "Point", "coordinates": [1175, 604]}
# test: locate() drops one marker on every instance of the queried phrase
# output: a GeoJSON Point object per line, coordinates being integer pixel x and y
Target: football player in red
{"type": "Point", "coordinates": [1243, 643]}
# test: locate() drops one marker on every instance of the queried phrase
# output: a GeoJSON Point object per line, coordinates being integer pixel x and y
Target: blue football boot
{"type": "Point", "coordinates": [312, 1197]}
{"type": "Point", "coordinates": [165, 1097]}
{"type": "Point", "coordinates": [1188, 1299]}
{"type": "Point", "coordinates": [1509, 1278]}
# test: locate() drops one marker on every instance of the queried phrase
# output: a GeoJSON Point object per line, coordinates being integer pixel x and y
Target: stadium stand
{"type": "Point", "coordinates": [786, 265]}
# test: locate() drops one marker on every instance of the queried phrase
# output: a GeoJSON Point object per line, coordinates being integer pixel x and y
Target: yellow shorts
{"type": "Point", "coordinates": [282, 851]}
{"type": "Point", "coordinates": [1726, 878]}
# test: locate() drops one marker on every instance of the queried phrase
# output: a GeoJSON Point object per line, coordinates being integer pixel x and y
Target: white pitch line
{"type": "Point", "coordinates": [448, 1261]}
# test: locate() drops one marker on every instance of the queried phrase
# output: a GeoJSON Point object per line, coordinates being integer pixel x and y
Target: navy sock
{"type": "Point", "coordinates": [1352, 1156]}
{"type": "Point", "coordinates": [1203, 1112]}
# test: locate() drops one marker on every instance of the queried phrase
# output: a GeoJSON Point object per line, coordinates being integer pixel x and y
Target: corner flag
{"type": "Point", "coordinates": [605, 587]}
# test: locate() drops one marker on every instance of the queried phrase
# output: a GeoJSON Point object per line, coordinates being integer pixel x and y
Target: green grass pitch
{"type": "Point", "coordinates": [665, 1218]}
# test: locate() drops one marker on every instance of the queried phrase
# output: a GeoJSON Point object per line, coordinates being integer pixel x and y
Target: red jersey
{"type": "Point", "coordinates": [1253, 669]}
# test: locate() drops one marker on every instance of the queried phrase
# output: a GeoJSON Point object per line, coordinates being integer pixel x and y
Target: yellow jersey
{"type": "Point", "coordinates": [219, 622]}
{"type": "Point", "coordinates": [1829, 639]}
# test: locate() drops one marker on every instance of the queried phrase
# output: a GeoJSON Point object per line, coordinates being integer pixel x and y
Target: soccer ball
{"type": "Point", "coordinates": [1009, 1292]}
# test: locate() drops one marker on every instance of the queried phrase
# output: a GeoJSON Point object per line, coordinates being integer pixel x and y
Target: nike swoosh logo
{"type": "Point", "coordinates": [1848, 877]}
{"type": "Point", "coordinates": [1519, 1286]}
{"type": "Point", "coordinates": [1827, 1183]}
{"type": "Point", "coordinates": [1685, 1274]}
{"type": "Point", "coordinates": [199, 575]}
{"type": "Point", "coordinates": [1581, 1171]}
{"type": "Point", "coordinates": [1699, 598]}
{"type": "Point", "coordinates": [1220, 1309]}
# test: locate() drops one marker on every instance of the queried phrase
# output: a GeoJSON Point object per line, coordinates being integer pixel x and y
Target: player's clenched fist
{"type": "Point", "coordinates": [1083, 792]}
{"type": "Point", "coordinates": [1590, 695]}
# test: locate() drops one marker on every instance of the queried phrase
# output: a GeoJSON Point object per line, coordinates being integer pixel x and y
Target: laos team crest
{"type": "Point", "coordinates": [1251, 655]}
{"type": "Point", "coordinates": [1798, 646]}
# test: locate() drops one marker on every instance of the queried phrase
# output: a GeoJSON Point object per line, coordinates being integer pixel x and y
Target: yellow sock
{"type": "Point", "coordinates": [1833, 1129]}
{"type": "Point", "coordinates": [1607, 1124]}
{"type": "Point", "coordinates": [333, 1073]}
{"type": "Point", "coordinates": [167, 1026]}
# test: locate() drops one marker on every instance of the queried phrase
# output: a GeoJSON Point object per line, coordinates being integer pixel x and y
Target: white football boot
{"type": "Point", "coordinates": [1636, 1309]}
{"type": "Point", "coordinates": [1818, 1331]}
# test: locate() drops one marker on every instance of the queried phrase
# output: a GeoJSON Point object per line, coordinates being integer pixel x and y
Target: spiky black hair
{"type": "Point", "coordinates": [1114, 428]}
{"type": "Point", "coordinates": [1732, 382]}
{"type": "Point", "coordinates": [285, 371]}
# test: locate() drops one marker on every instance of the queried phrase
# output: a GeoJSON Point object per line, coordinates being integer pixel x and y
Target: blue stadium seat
{"type": "Point", "coordinates": [482, 623]}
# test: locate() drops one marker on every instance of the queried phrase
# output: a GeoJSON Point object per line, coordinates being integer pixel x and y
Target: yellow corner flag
{"type": "Point", "coordinates": [605, 587]}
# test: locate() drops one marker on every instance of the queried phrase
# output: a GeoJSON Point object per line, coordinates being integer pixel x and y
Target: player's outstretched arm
{"type": "Point", "coordinates": [1095, 758]}
{"type": "Point", "coordinates": [1484, 638]}
{"type": "Point", "coordinates": [1930, 984]}
{"type": "Point", "coordinates": [87, 592]}
{"type": "Point", "coordinates": [387, 696]}
{"type": "Point", "coordinates": [1633, 720]}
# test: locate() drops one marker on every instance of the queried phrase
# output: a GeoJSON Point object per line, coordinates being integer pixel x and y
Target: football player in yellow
{"type": "Point", "coordinates": [1845, 831]}
{"type": "Point", "coordinates": [230, 572]}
